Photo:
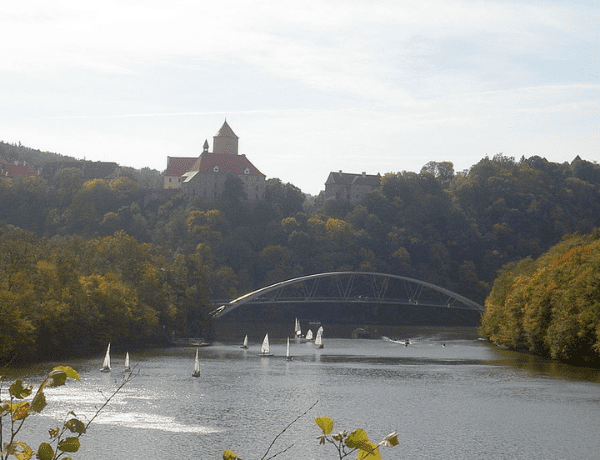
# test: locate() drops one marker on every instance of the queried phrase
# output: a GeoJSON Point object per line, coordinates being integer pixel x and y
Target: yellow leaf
{"type": "Point", "coordinates": [357, 439]}
{"type": "Point", "coordinates": [20, 410]}
{"type": "Point", "coordinates": [230, 455]}
{"type": "Point", "coordinates": [369, 452]}
{"type": "Point", "coordinates": [22, 451]}
{"type": "Point", "coordinates": [71, 373]}
{"type": "Point", "coordinates": [325, 423]}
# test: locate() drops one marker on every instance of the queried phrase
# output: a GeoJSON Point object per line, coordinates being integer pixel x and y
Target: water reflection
{"type": "Point", "coordinates": [539, 366]}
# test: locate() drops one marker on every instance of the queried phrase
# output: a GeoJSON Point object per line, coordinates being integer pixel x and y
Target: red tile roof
{"type": "Point", "coordinates": [227, 163]}
{"type": "Point", "coordinates": [8, 170]}
{"type": "Point", "coordinates": [178, 166]}
{"type": "Point", "coordinates": [226, 131]}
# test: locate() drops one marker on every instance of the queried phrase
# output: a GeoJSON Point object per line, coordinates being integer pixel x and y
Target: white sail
{"type": "Point", "coordinates": [106, 363]}
{"type": "Point", "coordinates": [265, 350]}
{"type": "Point", "coordinates": [309, 335]}
{"type": "Point", "coordinates": [196, 366]}
{"type": "Point", "coordinates": [126, 366]}
{"type": "Point", "coordinates": [319, 338]}
{"type": "Point", "coordinates": [287, 350]}
{"type": "Point", "coordinates": [245, 344]}
{"type": "Point", "coordinates": [297, 329]}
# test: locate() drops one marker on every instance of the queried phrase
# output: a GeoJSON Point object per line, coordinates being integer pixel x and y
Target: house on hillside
{"type": "Point", "coordinates": [205, 176]}
{"type": "Point", "coordinates": [350, 187]}
{"type": "Point", "coordinates": [16, 169]}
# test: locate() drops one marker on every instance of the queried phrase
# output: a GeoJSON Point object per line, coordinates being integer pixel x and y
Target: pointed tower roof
{"type": "Point", "coordinates": [205, 146]}
{"type": "Point", "coordinates": [226, 131]}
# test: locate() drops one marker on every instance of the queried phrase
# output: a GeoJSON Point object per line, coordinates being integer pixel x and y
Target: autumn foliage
{"type": "Point", "coordinates": [551, 305]}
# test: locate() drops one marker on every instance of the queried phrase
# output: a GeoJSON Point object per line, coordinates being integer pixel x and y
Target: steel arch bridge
{"type": "Point", "coordinates": [352, 287]}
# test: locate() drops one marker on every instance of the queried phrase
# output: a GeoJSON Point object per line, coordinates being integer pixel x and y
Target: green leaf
{"type": "Point", "coordinates": [325, 423]}
{"type": "Point", "coordinates": [75, 426]}
{"type": "Point", "coordinates": [357, 439]}
{"type": "Point", "coordinates": [55, 378]}
{"type": "Point", "coordinates": [230, 455]}
{"type": "Point", "coordinates": [18, 390]}
{"type": "Point", "coordinates": [69, 445]}
{"type": "Point", "coordinates": [71, 373]}
{"type": "Point", "coordinates": [45, 452]}
{"type": "Point", "coordinates": [38, 403]}
{"type": "Point", "coordinates": [390, 440]}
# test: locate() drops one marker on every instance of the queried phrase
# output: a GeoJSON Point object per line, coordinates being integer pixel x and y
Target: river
{"type": "Point", "coordinates": [465, 400]}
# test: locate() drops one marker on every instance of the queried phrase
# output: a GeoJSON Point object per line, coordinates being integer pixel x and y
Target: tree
{"type": "Point", "coordinates": [285, 197]}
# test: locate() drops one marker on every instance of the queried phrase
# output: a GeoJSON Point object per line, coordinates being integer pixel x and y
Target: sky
{"type": "Point", "coordinates": [308, 87]}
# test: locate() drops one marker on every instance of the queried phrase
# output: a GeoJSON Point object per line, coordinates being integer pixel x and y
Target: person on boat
{"type": "Point", "coordinates": [406, 343]}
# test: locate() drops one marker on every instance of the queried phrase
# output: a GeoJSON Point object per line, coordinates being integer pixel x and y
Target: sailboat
{"type": "Point", "coordinates": [288, 357]}
{"type": "Point", "coordinates": [309, 335]}
{"type": "Point", "coordinates": [196, 366]}
{"type": "Point", "coordinates": [245, 344]}
{"type": "Point", "coordinates": [297, 330]}
{"type": "Point", "coordinates": [126, 367]}
{"type": "Point", "coordinates": [106, 363]}
{"type": "Point", "coordinates": [265, 350]}
{"type": "Point", "coordinates": [319, 337]}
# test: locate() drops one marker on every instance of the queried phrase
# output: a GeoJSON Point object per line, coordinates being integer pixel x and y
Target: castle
{"type": "Point", "coordinates": [205, 176]}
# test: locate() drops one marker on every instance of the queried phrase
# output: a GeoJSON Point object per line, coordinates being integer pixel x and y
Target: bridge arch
{"type": "Point", "coordinates": [345, 287]}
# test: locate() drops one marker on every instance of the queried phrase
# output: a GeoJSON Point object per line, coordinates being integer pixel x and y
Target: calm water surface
{"type": "Point", "coordinates": [465, 400]}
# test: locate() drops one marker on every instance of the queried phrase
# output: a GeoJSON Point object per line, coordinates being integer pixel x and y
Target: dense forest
{"type": "Point", "coordinates": [551, 305]}
{"type": "Point", "coordinates": [78, 253]}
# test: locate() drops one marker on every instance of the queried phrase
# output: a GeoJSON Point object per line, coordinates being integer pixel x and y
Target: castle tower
{"type": "Point", "coordinates": [225, 141]}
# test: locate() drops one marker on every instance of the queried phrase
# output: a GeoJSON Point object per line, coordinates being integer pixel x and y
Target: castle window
{"type": "Point", "coordinates": [247, 171]}
{"type": "Point", "coordinates": [216, 168]}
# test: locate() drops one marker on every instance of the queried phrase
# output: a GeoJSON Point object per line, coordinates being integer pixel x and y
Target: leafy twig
{"type": "Point", "coordinates": [283, 431]}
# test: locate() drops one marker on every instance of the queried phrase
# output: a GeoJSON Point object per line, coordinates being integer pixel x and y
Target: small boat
{"type": "Point", "coordinates": [245, 344]}
{"type": "Point", "coordinates": [106, 363]}
{"type": "Point", "coordinates": [126, 366]}
{"type": "Point", "coordinates": [297, 329]}
{"type": "Point", "coordinates": [309, 335]}
{"type": "Point", "coordinates": [319, 337]}
{"type": "Point", "coordinates": [265, 350]}
{"type": "Point", "coordinates": [196, 366]}
{"type": "Point", "coordinates": [288, 357]}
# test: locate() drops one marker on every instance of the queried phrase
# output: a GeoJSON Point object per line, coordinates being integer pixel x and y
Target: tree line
{"type": "Point", "coordinates": [551, 305]}
{"type": "Point", "coordinates": [93, 239]}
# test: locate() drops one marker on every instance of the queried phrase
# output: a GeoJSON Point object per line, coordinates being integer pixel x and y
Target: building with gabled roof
{"type": "Point", "coordinates": [176, 168]}
{"type": "Point", "coordinates": [16, 169]}
{"type": "Point", "coordinates": [205, 176]}
{"type": "Point", "coordinates": [350, 187]}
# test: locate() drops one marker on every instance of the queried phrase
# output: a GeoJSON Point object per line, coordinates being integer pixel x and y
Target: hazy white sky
{"type": "Point", "coordinates": [309, 87]}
